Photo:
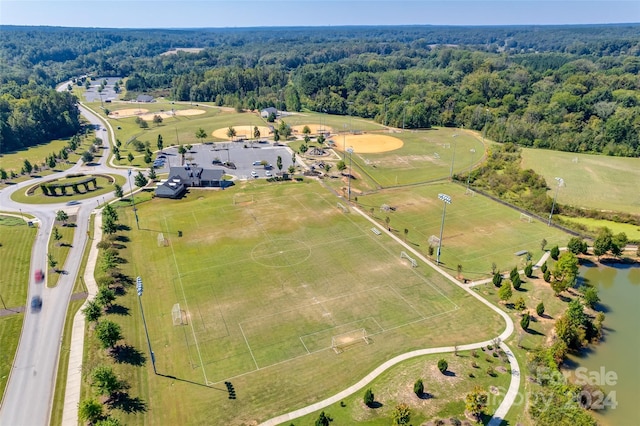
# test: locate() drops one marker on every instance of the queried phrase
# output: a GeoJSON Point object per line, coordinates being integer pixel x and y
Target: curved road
{"type": "Point", "coordinates": [29, 393]}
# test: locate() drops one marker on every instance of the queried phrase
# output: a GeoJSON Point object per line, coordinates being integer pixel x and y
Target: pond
{"type": "Point", "coordinates": [615, 363]}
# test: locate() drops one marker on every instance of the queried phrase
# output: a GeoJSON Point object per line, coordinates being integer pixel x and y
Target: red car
{"type": "Point", "coordinates": [39, 276]}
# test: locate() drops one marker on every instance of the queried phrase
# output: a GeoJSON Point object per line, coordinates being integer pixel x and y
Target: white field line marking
{"type": "Point", "coordinates": [193, 331]}
{"type": "Point", "coordinates": [248, 346]}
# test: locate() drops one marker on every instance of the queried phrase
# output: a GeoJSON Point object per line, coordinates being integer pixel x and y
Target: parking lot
{"type": "Point", "coordinates": [247, 161]}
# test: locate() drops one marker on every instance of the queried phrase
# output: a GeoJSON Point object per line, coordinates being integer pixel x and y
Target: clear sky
{"type": "Point", "coordinates": [251, 13]}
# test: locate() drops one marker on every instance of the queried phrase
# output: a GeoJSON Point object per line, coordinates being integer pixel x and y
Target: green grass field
{"type": "Point", "coordinates": [593, 181]}
{"type": "Point", "coordinates": [265, 284]}
{"type": "Point", "coordinates": [632, 231]}
{"type": "Point", "coordinates": [477, 231]}
{"type": "Point", "coordinates": [59, 250]}
{"type": "Point", "coordinates": [16, 239]}
{"type": "Point", "coordinates": [445, 392]}
{"type": "Point", "coordinates": [37, 197]}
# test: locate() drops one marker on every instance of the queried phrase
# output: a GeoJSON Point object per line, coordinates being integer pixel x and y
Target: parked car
{"type": "Point", "coordinates": [36, 303]}
{"type": "Point", "coordinates": [268, 173]}
{"type": "Point", "coordinates": [257, 163]}
{"type": "Point", "coordinates": [254, 174]}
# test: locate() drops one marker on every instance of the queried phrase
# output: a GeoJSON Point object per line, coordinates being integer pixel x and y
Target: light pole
{"type": "Point", "coordinates": [453, 157]}
{"type": "Point", "coordinates": [350, 151]}
{"type": "Point", "coordinates": [473, 151]}
{"type": "Point", "coordinates": [133, 200]}
{"type": "Point", "coordinates": [553, 205]}
{"type": "Point", "coordinates": [153, 357]}
{"type": "Point", "coordinates": [3, 305]}
{"type": "Point", "coordinates": [447, 200]}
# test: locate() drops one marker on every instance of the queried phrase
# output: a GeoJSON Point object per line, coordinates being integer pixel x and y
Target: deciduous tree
{"type": "Point", "coordinates": [505, 292]}
{"type": "Point", "coordinates": [108, 333]}
{"type": "Point", "coordinates": [476, 402]}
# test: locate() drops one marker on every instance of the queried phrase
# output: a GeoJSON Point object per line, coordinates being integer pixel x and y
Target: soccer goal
{"type": "Point", "coordinates": [242, 199]}
{"type": "Point", "coordinates": [434, 241]}
{"type": "Point", "coordinates": [526, 218]}
{"type": "Point", "coordinates": [162, 241]}
{"type": "Point", "coordinates": [177, 315]}
{"type": "Point", "coordinates": [404, 255]}
{"type": "Point", "coordinates": [342, 342]}
{"type": "Point", "coordinates": [470, 192]}
{"type": "Point", "coordinates": [342, 207]}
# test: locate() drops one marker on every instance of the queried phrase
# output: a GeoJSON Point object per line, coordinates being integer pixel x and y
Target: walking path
{"type": "Point", "coordinates": [514, 385]}
{"type": "Point", "coordinates": [74, 371]}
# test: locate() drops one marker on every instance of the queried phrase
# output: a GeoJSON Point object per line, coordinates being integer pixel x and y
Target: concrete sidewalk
{"type": "Point", "coordinates": [74, 370]}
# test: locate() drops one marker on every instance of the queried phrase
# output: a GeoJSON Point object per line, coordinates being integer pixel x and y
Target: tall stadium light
{"type": "Point", "coordinates": [151, 354]}
{"type": "Point", "coordinates": [453, 157]}
{"type": "Point", "coordinates": [473, 151]}
{"type": "Point", "coordinates": [560, 183]}
{"type": "Point", "coordinates": [486, 119]}
{"type": "Point", "coordinates": [350, 151]}
{"type": "Point", "coordinates": [447, 200]}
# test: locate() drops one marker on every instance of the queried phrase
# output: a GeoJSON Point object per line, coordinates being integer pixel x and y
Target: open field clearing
{"type": "Point", "coordinates": [632, 231]}
{"type": "Point", "coordinates": [265, 286]}
{"type": "Point", "coordinates": [592, 181]}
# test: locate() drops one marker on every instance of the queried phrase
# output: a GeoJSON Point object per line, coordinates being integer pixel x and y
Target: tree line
{"type": "Point", "coordinates": [571, 88]}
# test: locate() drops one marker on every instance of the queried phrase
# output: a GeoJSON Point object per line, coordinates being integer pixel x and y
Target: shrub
{"type": "Point", "coordinates": [555, 252]}
{"type": "Point", "coordinates": [369, 398]}
{"type": "Point", "coordinates": [490, 347]}
{"type": "Point", "coordinates": [528, 270]}
{"type": "Point", "coordinates": [524, 322]}
{"type": "Point", "coordinates": [442, 366]}
{"type": "Point", "coordinates": [540, 309]}
{"type": "Point", "coordinates": [491, 371]}
{"type": "Point", "coordinates": [418, 387]}
{"type": "Point", "coordinates": [517, 282]}
{"type": "Point", "coordinates": [497, 279]}
{"type": "Point", "coordinates": [547, 276]}
{"type": "Point", "coordinates": [544, 267]}
{"type": "Point", "coordinates": [474, 364]}
{"type": "Point", "coordinates": [474, 353]}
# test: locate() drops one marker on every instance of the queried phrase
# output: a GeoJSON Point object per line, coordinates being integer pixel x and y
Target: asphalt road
{"type": "Point", "coordinates": [29, 393]}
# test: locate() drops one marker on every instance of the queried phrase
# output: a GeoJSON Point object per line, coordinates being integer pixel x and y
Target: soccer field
{"type": "Point", "coordinates": [263, 282]}
{"type": "Point", "coordinates": [278, 288]}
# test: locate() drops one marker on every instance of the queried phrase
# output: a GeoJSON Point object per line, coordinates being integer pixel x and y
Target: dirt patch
{"type": "Point", "coordinates": [148, 116]}
{"type": "Point", "coordinates": [315, 129]}
{"type": "Point", "coordinates": [245, 132]}
{"type": "Point", "coordinates": [128, 112]}
{"type": "Point", "coordinates": [370, 144]}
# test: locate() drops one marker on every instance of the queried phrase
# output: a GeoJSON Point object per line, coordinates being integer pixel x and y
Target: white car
{"type": "Point", "coordinates": [254, 174]}
{"type": "Point", "coordinates": [267, 173]}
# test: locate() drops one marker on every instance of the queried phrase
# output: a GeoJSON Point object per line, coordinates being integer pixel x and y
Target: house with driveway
{"type": "Point", "coordinates": [183, 177]}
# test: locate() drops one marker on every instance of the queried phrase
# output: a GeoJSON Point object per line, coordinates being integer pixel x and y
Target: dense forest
{"type": "Point", "coordinates": [572, 88]}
